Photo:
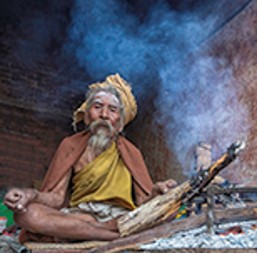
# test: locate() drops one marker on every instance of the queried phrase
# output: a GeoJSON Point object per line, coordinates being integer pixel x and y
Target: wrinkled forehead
{"type": "Point", "coordinates": [103, 96]}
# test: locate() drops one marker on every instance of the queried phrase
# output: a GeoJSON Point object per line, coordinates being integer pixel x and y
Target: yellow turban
{"type": "Point", "coordinates": [127, 98]}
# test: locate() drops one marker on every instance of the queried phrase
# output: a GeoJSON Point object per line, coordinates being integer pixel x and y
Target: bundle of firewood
{"type": "Point", "coordinates": [167, 205]}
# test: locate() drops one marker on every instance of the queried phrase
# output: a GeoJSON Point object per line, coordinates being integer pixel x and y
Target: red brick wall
{"type": "Point", "coordinates": [235, 44]}
{"type": "Point", "coordinates": [35, 115]}
{"type": "Point", "coordinates": [26, 145]}
{"type": "Point", "coordinates": [151, 140]}
{"type": "Point", "coordinates": [238, 46]}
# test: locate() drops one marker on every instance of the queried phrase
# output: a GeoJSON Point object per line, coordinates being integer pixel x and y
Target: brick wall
{"type": "Point", "coordinates": [35, 112]}
{"type": "Point", "coordinates": [238, 47]}
{"type": "Point", "coordinates": [234, 46]}
{"type": "Point", "coordinates": [26, 145]}
{"type": "Point", "coordinates": [150, 138]}
{"type": "Point", "coordinates": [234, 42]}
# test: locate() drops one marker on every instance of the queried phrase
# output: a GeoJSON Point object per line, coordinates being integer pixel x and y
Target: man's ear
{"type": "Point", "coordinates": [120, 129]}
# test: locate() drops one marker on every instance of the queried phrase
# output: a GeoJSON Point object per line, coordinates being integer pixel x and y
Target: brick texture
{"type": "Point", "coordinates": [34, 117]}
{"type": "Point", "coordinates": [238, 46]}
{"type": "Point", "coordinates": [234, 42]}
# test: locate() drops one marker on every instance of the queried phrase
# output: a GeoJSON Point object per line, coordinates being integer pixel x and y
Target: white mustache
{"type": "Point", "coordinates": [101, 123]}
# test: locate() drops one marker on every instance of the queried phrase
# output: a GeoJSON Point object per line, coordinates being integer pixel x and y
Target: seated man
{"type": "Point", "coordinates": [95, 176]}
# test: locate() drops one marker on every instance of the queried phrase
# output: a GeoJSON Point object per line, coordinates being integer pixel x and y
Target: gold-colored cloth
{"type": "Point", "coordinates": [104, 179]}
{"type": "Point", "coordinates": [127, 98]}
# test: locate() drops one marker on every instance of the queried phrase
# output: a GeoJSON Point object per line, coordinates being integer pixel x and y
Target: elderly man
{"type": "Point", "coordinates": [95, 175]}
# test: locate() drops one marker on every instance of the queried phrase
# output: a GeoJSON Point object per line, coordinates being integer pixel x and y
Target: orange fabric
{"type": "Point", "coordinates": [72, 147]}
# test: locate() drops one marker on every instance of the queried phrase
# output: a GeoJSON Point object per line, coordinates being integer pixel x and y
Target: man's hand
{"type": "Point", "coordinates": [163, 187]}
{"type": "Point", "coordinates": [17, 199]}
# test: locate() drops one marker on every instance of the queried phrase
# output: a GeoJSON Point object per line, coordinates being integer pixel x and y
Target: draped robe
{"type": "Point", "coordinates": [70, 150]}
{"type": "Point", "coordinates": [104, 179]}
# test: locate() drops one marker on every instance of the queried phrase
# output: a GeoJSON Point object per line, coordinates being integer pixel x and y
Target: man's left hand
{"type": "Point", "coordinates": [163, 187]}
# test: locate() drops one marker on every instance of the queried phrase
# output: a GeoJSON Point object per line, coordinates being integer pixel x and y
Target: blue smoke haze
{"type": "Point", "coordinates": [107, 38]}
{"type": "Point", "coordinates": [196, 103]}
{"type": "Point", "coordinates": [202, 106]}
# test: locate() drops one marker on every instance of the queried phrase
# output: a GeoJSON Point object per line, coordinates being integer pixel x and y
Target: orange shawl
{"type": "Point", "coordinates": [72, 147]}
{"type": "Point", "coordinates": [69, 151]}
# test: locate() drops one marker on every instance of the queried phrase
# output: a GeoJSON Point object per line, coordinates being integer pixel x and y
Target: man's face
{"type": "Point", "coordinates": [105, 107]}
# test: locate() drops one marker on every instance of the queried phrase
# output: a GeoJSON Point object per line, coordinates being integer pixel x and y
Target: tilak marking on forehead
{"type": "Point", "coordinates": [108, 95]}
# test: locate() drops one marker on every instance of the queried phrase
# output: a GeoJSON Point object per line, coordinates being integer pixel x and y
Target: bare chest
{"type": "Point", "coordinates": [87, 156]}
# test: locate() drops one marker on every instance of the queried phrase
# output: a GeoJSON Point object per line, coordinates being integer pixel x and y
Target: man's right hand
{"type": "Point", "coordinates": [17, 199]}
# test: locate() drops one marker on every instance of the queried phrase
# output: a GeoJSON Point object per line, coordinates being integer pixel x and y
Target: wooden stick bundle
{"type": "Point", "coordinates": [163, 206]}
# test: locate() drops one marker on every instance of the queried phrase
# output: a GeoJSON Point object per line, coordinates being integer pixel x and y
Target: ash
{"type": "Point", "coordinates": [200, 238]}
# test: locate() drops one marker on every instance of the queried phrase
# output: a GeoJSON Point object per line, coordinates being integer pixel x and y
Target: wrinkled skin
{"type": "Point", "coordinates": [163, 187]}
{"type": "Point", "coordinates": [39, 212]}
{"type": "Point", "coordinates": [17, 199]}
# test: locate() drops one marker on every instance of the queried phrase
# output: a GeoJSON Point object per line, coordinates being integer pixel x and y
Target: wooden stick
{"type": "Point", "coordinates": [152, 212]}
{"type": "Point", "coordinates": [164, 206]}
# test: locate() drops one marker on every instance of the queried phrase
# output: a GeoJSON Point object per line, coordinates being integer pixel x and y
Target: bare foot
{"type": "Point", "coordinates": [112, 225]}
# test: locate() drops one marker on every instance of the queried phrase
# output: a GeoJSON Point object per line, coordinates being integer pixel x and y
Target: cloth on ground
{"type": "Point", "coordinates": [102, 212]}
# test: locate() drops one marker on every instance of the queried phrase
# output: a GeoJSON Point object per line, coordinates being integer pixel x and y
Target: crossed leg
{"type": "Point", "coordinates": [47, 221]}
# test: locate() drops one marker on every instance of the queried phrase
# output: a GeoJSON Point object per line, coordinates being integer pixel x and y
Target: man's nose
{"type": "Point", "coordinates": [104, 113]}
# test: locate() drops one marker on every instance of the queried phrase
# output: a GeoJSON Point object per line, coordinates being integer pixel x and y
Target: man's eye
{"type": "Point", "coordinates": [97, 106]}
{"type": "Point", "coordinates": [114, 110]}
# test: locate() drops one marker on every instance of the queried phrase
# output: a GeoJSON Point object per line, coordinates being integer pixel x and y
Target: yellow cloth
{"type": "Point", "coordinates": [104, 179]}
{"type": "Point", "coordinates": [127, 98]}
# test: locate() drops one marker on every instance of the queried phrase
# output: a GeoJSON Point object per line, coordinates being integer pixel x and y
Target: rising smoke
{"type": "Point", "coordinates": [202, 105]}
{"type": "Point", "coordinates": [196, 102]}
{"type": "Point", "coordinates": [107, 36]}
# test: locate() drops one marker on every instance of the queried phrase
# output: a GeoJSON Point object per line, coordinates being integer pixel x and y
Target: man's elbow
{"type": "Point", "coordinates": [59, 202]}
{"type": "Point", "coordinates": [52, 199]}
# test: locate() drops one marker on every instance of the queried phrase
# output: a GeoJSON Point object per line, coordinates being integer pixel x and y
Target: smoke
{"type": "Point", "coordinates": [106, 37]}
{"type": "Point", "coordinates": [199, 103]}
{"type": "Point", "coordinates": [195, 102]}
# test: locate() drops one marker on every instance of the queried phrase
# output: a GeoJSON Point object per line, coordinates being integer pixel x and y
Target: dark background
{"type": "Point", "coordinates": [190, 63]}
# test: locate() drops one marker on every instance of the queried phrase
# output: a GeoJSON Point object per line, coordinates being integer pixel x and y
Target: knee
{"type": "Point", "coordinates": [29, 218]}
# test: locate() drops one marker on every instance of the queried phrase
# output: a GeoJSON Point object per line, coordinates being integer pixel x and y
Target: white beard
{"type": "Point", "coordinates": [102, 136]}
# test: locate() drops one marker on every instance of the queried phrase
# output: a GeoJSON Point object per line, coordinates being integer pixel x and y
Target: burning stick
{"type": "Point", "coordinates": [166, 206]}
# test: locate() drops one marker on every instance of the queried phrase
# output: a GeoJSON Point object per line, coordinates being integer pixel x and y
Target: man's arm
{"type": "Point", "coordinates": [18, 199]}
{"type": "Point", "coordinates": [57, 196]}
